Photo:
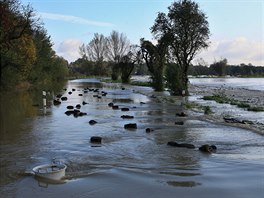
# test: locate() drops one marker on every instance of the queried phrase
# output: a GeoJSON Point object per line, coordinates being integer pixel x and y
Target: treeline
{"type": "Point", "coordinates": [222, 68]}
{"type": "Point", "coordinates": [26, 50]}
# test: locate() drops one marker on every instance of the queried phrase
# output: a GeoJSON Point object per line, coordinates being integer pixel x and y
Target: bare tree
{"type": "Point", "coordinates": [117, 46]}
{"type": "Point", "coordinates": [96, 49]}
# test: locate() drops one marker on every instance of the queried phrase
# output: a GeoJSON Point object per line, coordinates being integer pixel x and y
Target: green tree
{"type": "Point", "coordinates": [155, 58]}
{"type": "Point", "coordinates": [219, 67]}
{"type": "Point", "coordinates": [187, 31]}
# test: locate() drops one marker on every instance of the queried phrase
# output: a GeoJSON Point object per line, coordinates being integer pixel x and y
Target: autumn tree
{"type": "Point", "coordinates": [187, 31]}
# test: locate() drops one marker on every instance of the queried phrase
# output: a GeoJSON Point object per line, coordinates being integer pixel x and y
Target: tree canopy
{"type": "Point", "coordinates": [186, 29]}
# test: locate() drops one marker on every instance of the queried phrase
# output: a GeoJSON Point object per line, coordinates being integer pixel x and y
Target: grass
{"type": "Point", "coordinates": [191, 105]}
{"type": "Point", "coordinates": [225, 100]}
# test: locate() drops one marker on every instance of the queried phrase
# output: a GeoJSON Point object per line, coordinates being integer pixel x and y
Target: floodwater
{"type": "Point", "coordinates": [128, 163]}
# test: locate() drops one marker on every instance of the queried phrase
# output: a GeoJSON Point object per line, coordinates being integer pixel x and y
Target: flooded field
{"type": "Point", "coordinates": [128, 162]}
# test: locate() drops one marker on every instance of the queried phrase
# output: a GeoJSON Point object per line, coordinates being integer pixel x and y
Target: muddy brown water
{"type": "Point", "coordinates": [128, 163]}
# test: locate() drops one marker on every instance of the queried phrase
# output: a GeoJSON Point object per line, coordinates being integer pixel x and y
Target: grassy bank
{"type": "Point", "coordinates": [222, 99]}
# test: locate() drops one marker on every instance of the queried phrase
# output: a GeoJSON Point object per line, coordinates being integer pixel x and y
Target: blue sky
{"type": "Point", "coordinates": [237, 26]}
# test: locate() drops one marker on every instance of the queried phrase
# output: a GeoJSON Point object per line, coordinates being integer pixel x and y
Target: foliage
{"type": "Point", "coordinates": [186, 30]}
{"type": "Point", "coordinates": [155, 58]}
{"type": "Point", "coordinates": [173, 81]}
{"type": "Point", "coordinates": [26, 49]}
{"type": "Point", "coordinates": [219, 67]}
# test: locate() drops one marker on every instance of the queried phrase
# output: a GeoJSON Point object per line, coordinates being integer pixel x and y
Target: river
{"type": "Point", "coordinates": [128, 163]}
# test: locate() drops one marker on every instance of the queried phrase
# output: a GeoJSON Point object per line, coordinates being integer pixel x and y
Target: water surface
{"type": "Point", "coordinates": [129, 163]}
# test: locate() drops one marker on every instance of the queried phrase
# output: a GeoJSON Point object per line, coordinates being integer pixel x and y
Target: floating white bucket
{"type": "Point", "coordinates": [50, 171]}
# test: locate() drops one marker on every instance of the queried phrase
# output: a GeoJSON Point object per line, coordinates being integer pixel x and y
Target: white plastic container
{"type": "Point", "coordinates": [50, 171]}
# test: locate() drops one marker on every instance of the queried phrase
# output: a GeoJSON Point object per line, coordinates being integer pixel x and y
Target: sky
{"type": "Point", "coordinates": [236, 26]}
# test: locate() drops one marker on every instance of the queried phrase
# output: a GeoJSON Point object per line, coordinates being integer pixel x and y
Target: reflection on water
{"type": "Point", "coordinates": [30, 138]}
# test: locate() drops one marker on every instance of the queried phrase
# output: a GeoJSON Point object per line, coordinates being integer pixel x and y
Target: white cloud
{"type": "Point", "coordinates": [238, 50]}
{"type": "Point", "coordinates": [69, 49]}
{"type": "Point", "coordinates": [73, 19]}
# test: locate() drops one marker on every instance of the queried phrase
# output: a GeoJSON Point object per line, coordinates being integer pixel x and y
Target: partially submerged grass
{"type": "Point", "coordinates": [137, 83]}
{"type": "Point", "coordinates": [191, 105]}
{"type": "Point", "coordinates": [222, 99]}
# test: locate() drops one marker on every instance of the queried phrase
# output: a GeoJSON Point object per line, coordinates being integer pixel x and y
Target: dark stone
{"type": "Point", "coordinates": [82, 114]}
{"type": "Point", "coordinates": [115, 107]}
{"type": "Point", "coordinates": [64, 98]}
{"type": "Point", "coordinates": [70, 107]}
{"type": "Point", "coordinates": [59, 96]}
{"type": "Point", "coordinates": [179, 123]}
{"type": "Point", "coordinates": [99, 97]}
{"type": "Point", "coordinates": [207, 148]}
{"type": "Point", "coordinates": [148, 130]}
{"type": "Point", "coordinates": [185, 145]}
{"type": "Point", "coordinates": [69, 113]}
{"type": "Point", "coordinates": [85, 91]}
{"type": "Point", "coordinates": [84, 103]}
{"type": "Point", "coordinates": [96, 90]}
{"type": "Point", "coordinates": [110, 104]}
{"type": "Point", "coordinates": [96, 139]}
{"type": "Point", "coordinates": [78, 106]}
{"type": "Point", "coordinates": [124, 109]}
{"type": "Point", "coordinates": [142, 103]}
{"type": "Point", "coordinates": [92, 122]}
{"type": "Point", "coordinates": [73, 89]}
{"type": "Point", "coordinates": [182, 114]}
{"type": "Point", "coordinates": [127, 117]}
{"type": "Point", "coordinates": [95, 96]}
{"type": "Point", "coordinates": [123, 88]}
{"type": "Point", "coordinates": [69, 92]}
{"type": "Point", "coordinates": [56, 102]}
{"type": "Point", "coordinates": [80, 94]}
{"type": "Point", "coordinates": [130, 126]}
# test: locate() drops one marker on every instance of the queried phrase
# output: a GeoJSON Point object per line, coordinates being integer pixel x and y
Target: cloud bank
{"type": "Point", "coordinates": [69, 49]}
{"type": "Point", "coordinates": [236, 51]}
{"type": "Point", "coordinates": [73, 19]}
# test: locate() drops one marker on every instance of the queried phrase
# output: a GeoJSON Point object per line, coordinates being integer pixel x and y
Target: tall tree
{"type": "Point", "coordinates": [187, 30]}
{"type": "Point", "coordinates": [117, 47]}
{"type": "Point", "coordinates": [155, 59]}
{"type": "Point", "coordinates": [219, 67]}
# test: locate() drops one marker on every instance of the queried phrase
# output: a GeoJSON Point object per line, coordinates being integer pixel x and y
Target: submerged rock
{"type": "Point", "coordinates": [96, 139]}
{"type": "Point", "coordinates": [181, 114]}
{"type": "Point", "coordinates": [56, 102]}
{"type": "Point", "coordinates": [186, 145]}
{"type": "Point", "coordinates": [179, 123]}
{"type": "Point", "coordinates": [130, 126]}
{"type": "Point", "coordinates": [110, 104]}
{"type": "Point", "coordinates": [64, 98]}
{"type": "Point", "coordinates": [124, 109]}
{"type": "Point", "coordinates": [206, 148]}
{"type": "Point", "coordinates": [92, 122]}
{"type": "Point", "coordinates": [70, 107]}
{"type": "Point", "coordinates": [115, 107]}
{"type": "Point", "coordinates": [127, 117]}
{"type": "Point", "coordinates": [148, 130]}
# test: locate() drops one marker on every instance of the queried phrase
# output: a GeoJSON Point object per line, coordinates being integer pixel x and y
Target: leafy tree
{"type": "Point", "coordinates": [155, 58]}
{"type": "Point", "coordinates": [127, 63]}
{"type": "Point", "coordinates": [186, 29]}
{"type": "Point", "coordinates": [17, 48]}
{"type": "Point", "coordinates": [219, 67]}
